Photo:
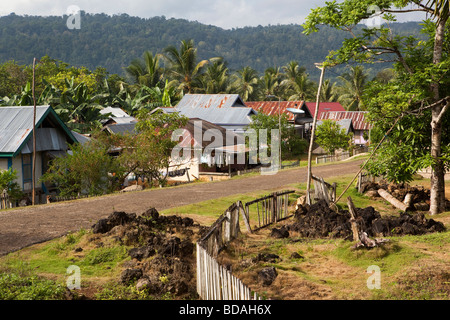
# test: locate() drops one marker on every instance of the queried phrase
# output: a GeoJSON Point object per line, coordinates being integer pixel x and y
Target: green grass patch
{"type": "Point", "coordinates": [390, 257]}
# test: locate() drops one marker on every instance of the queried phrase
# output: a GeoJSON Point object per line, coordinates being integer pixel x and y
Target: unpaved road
{"type": "Point", "coordinates": [23, 227]}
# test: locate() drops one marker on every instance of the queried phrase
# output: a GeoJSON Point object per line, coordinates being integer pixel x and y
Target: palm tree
{"type": "Point", "coordinates": [297, 84]}
{"type": "Point", "coordinates": [328, 91]}
{"type": "Point", "coordinates": [216, 78]}
{"type": "Point", "coordinates": [272, 82]}
{"type": "Point", "coordinates": [246, 83]}
{"type": "Point", "coordinates": [183, 64]}
{"type": "Point", "coordinates": [145, 71]}
{"type": "Point", "coordinates": [351, 91]}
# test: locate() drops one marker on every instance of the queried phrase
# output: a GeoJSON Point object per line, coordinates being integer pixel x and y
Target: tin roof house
{"type": "Point", "coordinates": [16, 142]}
{"type": "Point", "coordinates": [226, 110]}
{"type": "Point", "coordinates": [360, 124]}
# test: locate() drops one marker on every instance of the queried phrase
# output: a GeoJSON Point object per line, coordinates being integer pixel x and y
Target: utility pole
{"type": "Point", "coordinates": [34, 138]}
{"type": "Point", "coordinates": [279, 126]}
{"type": "Point", "coordinates": [311, 141]}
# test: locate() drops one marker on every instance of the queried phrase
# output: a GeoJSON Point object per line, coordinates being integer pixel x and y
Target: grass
{"type": "Point", "coordinates": [412, 267]}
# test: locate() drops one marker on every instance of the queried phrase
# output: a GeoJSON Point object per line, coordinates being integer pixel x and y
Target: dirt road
{"type": "Point", "coordinates": [23, 227]}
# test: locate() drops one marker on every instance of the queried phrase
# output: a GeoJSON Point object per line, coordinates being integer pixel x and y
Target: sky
{"type": "Point", "coordinates": [226, 14]}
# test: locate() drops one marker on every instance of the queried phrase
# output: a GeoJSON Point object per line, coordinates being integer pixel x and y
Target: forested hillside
{"type": "Point", "coordinates": [113, 41]}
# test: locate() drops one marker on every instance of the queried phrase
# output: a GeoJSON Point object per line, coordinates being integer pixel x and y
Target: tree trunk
{"type": "Point", "coordinates": [396, 203]}
{"type": "Point", "coordinates": [437, 189]}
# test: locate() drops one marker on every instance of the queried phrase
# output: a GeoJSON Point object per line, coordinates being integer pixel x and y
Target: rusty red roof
{"type": "Point", "coordinates": [275, 107]}
{"type": "Point", "coordinates": [323, 107]}
{"type": "Point", "coordinates": [358, 118]}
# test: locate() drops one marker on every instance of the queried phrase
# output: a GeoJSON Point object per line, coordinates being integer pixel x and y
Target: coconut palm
{"type": "Point", "coordinates": [351, 91]}
{"type": "Point", "coordinates": [145, 71]}
{"type": "Point", "coordinates": [328, 92]}
{"type": "Point", "coordinates": [216, 78]}
{"type": "Point", "coordinates": [246, 83]}
{"type": "Point", "coordinates": [184, 66]}
{"type": "Point", "coordinates": [297, 84]}
{"type": "Point", "coordinates": [272, 83]}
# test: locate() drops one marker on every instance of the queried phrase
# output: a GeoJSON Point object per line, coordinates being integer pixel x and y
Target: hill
{"type": "Point", "coordinates": [113, 41]}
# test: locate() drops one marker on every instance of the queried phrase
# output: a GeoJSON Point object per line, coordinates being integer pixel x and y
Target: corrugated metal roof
{"type": "Point", "coordinates": [358, 118]}
{"type": "Point", "coordinates": [210, 101]}
{"type": "Point", "coordinates": [115, 112]}
{"type": "Point", "coordinates": [47, 139]}
{"type": "Point", "coordinates": [343, 123]}
{"type": "Point", "coordinates": [275, 107]}
{"type": "Point", "coordinates": [121, 128]}
{"type": "Point", "coordinates": [16, 127]}
{"type": "Point", "coordinates": [220, 109]}
{"type": "Point", "coordinates": [236, 116]}
{"type": "Point", "coordinates": [310, 107]}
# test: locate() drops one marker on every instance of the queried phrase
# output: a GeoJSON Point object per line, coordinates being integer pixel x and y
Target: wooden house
{"type": "Point", "coordinates": [16, 143]}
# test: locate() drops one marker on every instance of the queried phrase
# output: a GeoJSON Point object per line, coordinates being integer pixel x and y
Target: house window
{"type": "Point", "coordinates": [27, 171]}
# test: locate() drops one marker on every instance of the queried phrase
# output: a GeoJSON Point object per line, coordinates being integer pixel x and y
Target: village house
{"type": "Point", "coordinates": [216, 153]}
{"type": "Point", "coordinates": [300, 113]}
{"type": "Point", "coordinates": [360, 124]}
{"type": "Point", "coordinates": [225, 110]}
{"type": "Point", "coordinates": [116, 116]}
{"type": "Point", "coordinates": [16, 144]}
{"type": "Point", "coordinates": [209, 158]}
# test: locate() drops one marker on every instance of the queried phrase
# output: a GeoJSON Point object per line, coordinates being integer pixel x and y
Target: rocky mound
{"type": "Point", "coordinates": [319, 221]}
{"type": "Point", "coordinates": [162, 253]}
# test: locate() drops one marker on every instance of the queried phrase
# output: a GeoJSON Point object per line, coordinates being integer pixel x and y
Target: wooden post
{"type": "Point", "coordinates": [352, 210]}
{"type": "Point", "coordinates": [313, 129]}
{"type": "Point", "coordinates": [33, 197]}
{"type": "Point", "coordinates": [244, 216]}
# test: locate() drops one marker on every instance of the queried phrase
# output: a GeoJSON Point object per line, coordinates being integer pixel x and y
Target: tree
{"type": "Point", "coordinates": [247, 84]}
{"type": "Point", "coordinates": [297, 84]}
{"type": "Point", "coordinates": [422, 68]}
{"type": "Point", "coordinates": [291, 142]}
{"type": "Point", "coordinates": [9, 185]}
{"type": "Point", "coordinates": [145, 71]}
{"type": "Point", "coordinates": [87, 170]}
{"type": "Point", "coordinates": [184, 66]}
{"type": "Point", "coordinates": [331, 136]}
{"type": "Point", "coordinates": [329, 91]}
{"type": "Point", "coordinates": [351, 91]}
{"type": "Point", "coordinates": [216, 78]}
{"type": "Point", "coordinates": [147, 151]}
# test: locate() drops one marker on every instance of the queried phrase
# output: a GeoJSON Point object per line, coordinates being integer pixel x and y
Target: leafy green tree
{"type": "Point", "coordinates": [216, 78]}
{"type": "Point", "coordinates": [272, 83]}
{"type": "Point", "coordinates": [422, 66]}
{"type": "Point", "coordinates": [331, 136]}
{"type": "Point", "coordinates": [87, 170]}
{"type": "Point", "coordinates": [291, 142]}
{"type": "Point", "coordinates": [9, 185]}
{"type": "Point", "coordinates": [147, 151]}
{"type": "Point", "coordinates": [13, 78]}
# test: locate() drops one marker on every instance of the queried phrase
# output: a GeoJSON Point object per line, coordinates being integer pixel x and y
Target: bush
{"type": "Point", "coordinates": [88, 170]}
{"type": "Point", "coordinates": [17, 287]}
